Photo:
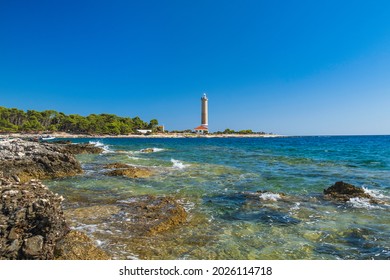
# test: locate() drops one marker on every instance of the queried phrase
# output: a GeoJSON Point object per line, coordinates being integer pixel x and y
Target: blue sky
{"type": "Point", "coordinates": [288, 67]}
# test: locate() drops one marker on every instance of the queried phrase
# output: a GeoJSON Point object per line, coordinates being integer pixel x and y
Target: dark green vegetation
{"type": "Point", "coordinates": [15, 120]}
{"type": "Point", "coordinates": [244, 131]}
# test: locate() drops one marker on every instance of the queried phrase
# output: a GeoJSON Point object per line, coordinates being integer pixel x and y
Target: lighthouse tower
{"type": "Point", "coordinates": [205, 112]}
{"type": "Point", "coordinates": [204, 126]}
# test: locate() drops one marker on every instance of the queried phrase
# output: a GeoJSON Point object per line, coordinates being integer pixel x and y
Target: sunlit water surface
{"type": "Point", "coordinates": [217, 180]}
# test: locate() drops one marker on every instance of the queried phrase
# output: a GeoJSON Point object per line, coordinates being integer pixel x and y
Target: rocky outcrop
{"type": "Point", "coordinates": [150, 215]}
{"type": "Point", "coordinates": [61, 142]}
{"type": "Point", "coordinates": [31, 220]}
{"type": "Point", "coordinates": [116, 165]}
{"type": "Point", "coordinates": [147, 150]}
{"type": "Point", "coordinates": [31, 216]}
{"type": "Point", "coordinates": [78, 246]}
{"type": "Point", "coordinates": [129, 171]}
{"type": "Point", "coordinates": [341, 191]}
{"type": "Point", "coordinates": [137, 216]}
{"type": "Point", "coordinates": [22, 160]}
{"type": "Point", "coordinates": [77, 149]}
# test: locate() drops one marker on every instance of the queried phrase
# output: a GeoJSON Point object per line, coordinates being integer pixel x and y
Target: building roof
{"type": "Point", "coordinates": [201, 127]}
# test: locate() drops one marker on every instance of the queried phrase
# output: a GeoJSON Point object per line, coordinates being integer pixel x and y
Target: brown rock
{"type": "Point", "coordinates": [116, 165]}
{"type": "Point", "coordinates": [131, 172]}
{"type": "Point", "coordinates": [31, 221]}
{"type": "Point", "coordinates": [22, 160]}
{"type": "Point", "coordinates": [341, 191]}
{"type": "Point", "coordinates": [13, 234]}
{"type": "Point", "coordinates": [91, 214]}
{"type": "Point", "coordinates": [77, 149]}
{"type": "Point", "coordinates": [78, 246]}
{"type": "Point", "coordinates": [150, 215]}
{"type": "Point", "coordinates": [33, 246]}
{"type": "Point", "coordinates": [147, 150]}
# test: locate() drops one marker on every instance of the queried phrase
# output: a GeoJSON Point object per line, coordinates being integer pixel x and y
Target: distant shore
{"type": "Point", "coordinates": [154, 135]}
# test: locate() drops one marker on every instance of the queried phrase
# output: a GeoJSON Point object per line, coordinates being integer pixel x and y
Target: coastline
{"type": "Point", "coordinates": [32, 220]}
{"type": "Point", "coordinates": [143, 200]}
{"type": "Point", "coordinates": [156, 135]}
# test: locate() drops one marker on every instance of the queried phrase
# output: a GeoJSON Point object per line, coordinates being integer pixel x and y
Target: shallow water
{"type": "Point", "coordinates": [217, 181]}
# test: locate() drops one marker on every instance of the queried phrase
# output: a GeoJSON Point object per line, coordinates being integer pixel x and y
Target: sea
{"type": "Point", "coordinates": [246, 198]}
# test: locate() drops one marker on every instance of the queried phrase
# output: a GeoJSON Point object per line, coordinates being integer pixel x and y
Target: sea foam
{"type": "Point", "coordinates": [270, 196]}
{"type": "Point", "coordinates": [375, 193]}
{"type": "Point", "coordinates": [357, 202]}
{"type": "Point", "coordinates": [99, 144]}
{"type": "Point", "coordinates": [178, 164]}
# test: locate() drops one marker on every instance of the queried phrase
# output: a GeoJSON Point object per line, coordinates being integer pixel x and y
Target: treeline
{"type": "Point", "coordinates": [15, 120]}
{"type": "Point", "coordinates": [244, 131]}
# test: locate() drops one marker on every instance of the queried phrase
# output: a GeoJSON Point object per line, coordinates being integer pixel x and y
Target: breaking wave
{"type": "Point", "coordinates": [99, 144]}
{"type": "Point", "coordinates": [357, 202]}
{"type": "Point", "coordinates": [177, 164]}
{"type": "Point", "coordinates": [270, 196]}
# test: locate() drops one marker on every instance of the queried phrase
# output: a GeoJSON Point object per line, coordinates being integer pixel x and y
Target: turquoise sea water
{"type": "Point", "coordinates": [217, 182]}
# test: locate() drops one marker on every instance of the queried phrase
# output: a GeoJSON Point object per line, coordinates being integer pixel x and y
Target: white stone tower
{"type": "Point", "coordinates": [205, 112]}
{"type": "Point", "coordinates": [204, 116]}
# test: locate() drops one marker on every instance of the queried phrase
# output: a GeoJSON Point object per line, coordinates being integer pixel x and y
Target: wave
{"type": "Point", "coordinates": [151, 150]}
{"type": "Point", "coordinates": [133, 158]}
{"type": "Point", "coordinates": [270, 196]}
{"type": "Point", "coordinates": [375, 193]}
{"type": "Point", "coordinates": [99, 144]}
{"type": "Point", "coordinates": [177, 164]}
{"type": "Point", "coordinates": [357, 202]}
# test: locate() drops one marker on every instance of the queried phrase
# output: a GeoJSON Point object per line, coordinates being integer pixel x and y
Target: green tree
{"type": "Point", "coordinates": [13, 120]}
{"type": "Point", "coordinates": [228, 131]}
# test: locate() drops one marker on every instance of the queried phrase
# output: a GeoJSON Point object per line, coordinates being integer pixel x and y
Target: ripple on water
{"type": "Point", "coordinates": [216, 181]}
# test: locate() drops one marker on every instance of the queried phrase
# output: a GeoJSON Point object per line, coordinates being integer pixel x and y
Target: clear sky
{"type": "Point", "coordinates": [288, 67]}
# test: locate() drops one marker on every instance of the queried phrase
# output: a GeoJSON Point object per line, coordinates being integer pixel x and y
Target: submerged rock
{"type": "Point", "coordinates": [148, 214]}
{"type": "Point", "coordinates": [116, 165]}
{"type": "Point", "coordinates": [131, 172]}
{"type": "Point", "coordinates": [78, 246]}
{"type": "Point", "coordinates": [91, 214]}
{"type": "Point", "coordinates": [22, 160]}
{"type": "Point", "coordinates": [31, 220]}
{"type": "Point", "coordinates": [265, 195]}
{"type": "Point", "coordinates": [341, 191]}
{"type": "Point", "coordinates": [147, 150]}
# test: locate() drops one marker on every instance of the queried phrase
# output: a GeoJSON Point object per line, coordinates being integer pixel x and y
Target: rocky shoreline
{"type": "Point", "coordinates": [33, 224]}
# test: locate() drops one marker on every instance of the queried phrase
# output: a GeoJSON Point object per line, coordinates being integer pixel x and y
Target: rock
{"type": "Point", "coordinates": [148, 215]}
{"type": "Point", "coordinates": [91, 214]}
{"type": "Point", "coordinates": [78, 246]}
{"type": "Point", "coordinates": [341, 191]}
{"type": "Point", "coordinates": [13, 234]}
{"type": "Point", "coordinates": [16, 178]}
{"type": "Point", "coordinates": [131, 172]}
{"type": "Point", "coordinates": [61, 142]}
{"type": "Point", "coordinates": [77, 149]}
{"type": "Point", "coordinates": [147, 150]}
{"type": "Point", "coordinates": [31, 220]}
{"type": "Point", "coordinates": [116, 165]}
{"type": "Point", "coordinates": [33, 246]}
{"type": "Point", "coordinates": [22, 160]}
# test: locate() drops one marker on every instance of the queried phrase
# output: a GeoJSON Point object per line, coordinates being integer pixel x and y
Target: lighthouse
{"type": "Point", "coordinates": [204, 116]}
{"type": "Point", "coordinates": [205, 113]}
